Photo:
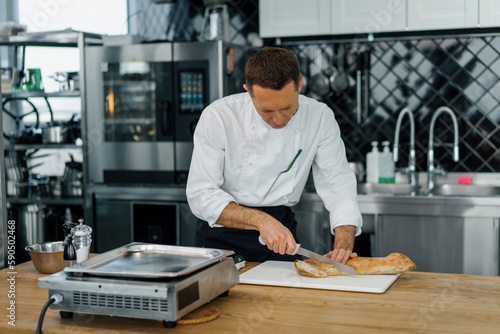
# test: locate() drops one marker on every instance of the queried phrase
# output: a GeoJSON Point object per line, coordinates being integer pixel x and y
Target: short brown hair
{"type": "Point", "coordinates": [272, 67]}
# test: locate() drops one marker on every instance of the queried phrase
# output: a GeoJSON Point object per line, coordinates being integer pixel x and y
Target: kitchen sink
{"type": "Point", "coordinates": [387, 188]}
{"type": "Point", "coordinates": [465, 190]}
{"type": "Point", "coordinates": [440, 190]}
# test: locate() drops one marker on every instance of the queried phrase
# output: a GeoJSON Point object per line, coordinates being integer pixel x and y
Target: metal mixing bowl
{"type": "Point", "coordinates": [358, 169]}
{"type": "Point", "coordinates": [47, 257]}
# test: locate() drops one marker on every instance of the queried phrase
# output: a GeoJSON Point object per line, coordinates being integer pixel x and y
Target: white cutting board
{"type": "Point", "coordinates": [282, 273]}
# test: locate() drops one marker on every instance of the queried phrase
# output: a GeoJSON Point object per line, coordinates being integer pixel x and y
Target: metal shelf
{"type": "Point", "coordinates": [24, 147]}
{"type": "Point", "coordinates": [127, 121]}
{"type": "Point", "coordinates": [74, 93]}
{"type": "Point", "coordinates": [68, 38]}
{"type": "Point", "coordinates": [48, 201]}
{"type": "Point", "coordinates": [17, 47]}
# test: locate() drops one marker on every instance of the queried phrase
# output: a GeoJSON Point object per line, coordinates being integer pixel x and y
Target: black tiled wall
{"type": "Point", "coordinates": [462, 73]}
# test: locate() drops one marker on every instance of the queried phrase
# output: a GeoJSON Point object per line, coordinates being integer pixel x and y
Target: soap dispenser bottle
{"type": "Point", "coordinates": [386, 165]}
{"type": "Point", "coordinates": [372, 164]}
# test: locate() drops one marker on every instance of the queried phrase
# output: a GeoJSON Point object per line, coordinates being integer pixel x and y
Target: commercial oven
{"type": "Point", "coordinates": [144, 101]}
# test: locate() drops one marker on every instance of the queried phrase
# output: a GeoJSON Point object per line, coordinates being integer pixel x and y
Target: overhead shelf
{"type": "Point", "coordinates": [29, 94]}
{"type": "Point", "coordinates": [24, 147]}
{"type": "Point", "coordinates": [66, 37]}
{"type": "Point", "coordinates": [47, 201]}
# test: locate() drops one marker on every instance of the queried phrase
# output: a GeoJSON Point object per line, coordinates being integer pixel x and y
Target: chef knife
{"type": "Point", "coordinates": [317, 257]}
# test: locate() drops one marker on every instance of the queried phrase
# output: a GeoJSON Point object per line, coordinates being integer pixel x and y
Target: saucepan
{"type": "Point", "coordinates": [339, 80]}
{"type": "Point", "coordinates": [55, 133]}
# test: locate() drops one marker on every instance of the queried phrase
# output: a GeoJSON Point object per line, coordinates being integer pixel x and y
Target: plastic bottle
{"type": "Point", "coordinates": [372, 164]}
{"type": "Point", "coordinates": [386, 165]}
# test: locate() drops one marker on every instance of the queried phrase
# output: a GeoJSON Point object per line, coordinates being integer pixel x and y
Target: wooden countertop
{"type": "Point", "coordinates": [416, 302]}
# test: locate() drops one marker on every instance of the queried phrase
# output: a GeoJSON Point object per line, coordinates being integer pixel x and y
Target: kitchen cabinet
{"type": "Point", "coordinates": [187, 225]}
{"type": "Point", "coordinates": [120, 221]}
{"type": "Point", "coordinates": [441, 244]}
{"type": "Point", "coordinates": [489, 13]}
{"type": "Point", "coordinates": [449, 14]}
{"type": "Point", "coordinates": [313, 224]}
{"type": "Point", "coordinates": [285, 18]}
{"type": "Point", "coordinates": [281, 18]}
{"type": "Point", "coordinates": [367, 16]}
{"type": "Point", "coordinates": [113, 225]}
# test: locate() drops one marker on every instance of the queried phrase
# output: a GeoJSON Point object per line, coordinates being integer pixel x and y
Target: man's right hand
{"type": "Point", "coordinates": [277, 237]}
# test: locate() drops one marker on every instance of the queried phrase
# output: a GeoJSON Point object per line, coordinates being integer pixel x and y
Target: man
{"type": "Point", "coordinates": [244, 141]}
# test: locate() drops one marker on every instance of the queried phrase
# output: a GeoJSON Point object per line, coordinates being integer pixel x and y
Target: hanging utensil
{"type": "Point", "coordinates": [304, 71]}
{"type": "Point", "coordinates": [366, 65]}
{"type": "Point", "coordinates": [339, 80]}
{"type": "Point", "coordinates": [320, 84]}
{"type": "Point", "coordinates": [358, 87]}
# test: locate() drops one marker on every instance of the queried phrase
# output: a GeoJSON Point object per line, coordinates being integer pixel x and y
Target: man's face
{"type": "Point", "coordinates": [276, 107]}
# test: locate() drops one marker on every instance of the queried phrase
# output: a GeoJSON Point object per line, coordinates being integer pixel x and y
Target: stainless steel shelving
{"type": "Point", "coordinates": [46, 201]}
{"type": "Point", "coordinates": [25, 147]}
{"type": "Point", "coordinates": [55, 39]}
{"type": "Point", "coordinates": [75, 93]}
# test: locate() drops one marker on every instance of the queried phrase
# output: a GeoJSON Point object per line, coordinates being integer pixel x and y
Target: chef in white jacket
{"type": "Point", "coordinates": [243, 143]}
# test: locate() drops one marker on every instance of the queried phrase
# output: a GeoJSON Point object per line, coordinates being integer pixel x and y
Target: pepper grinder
{"type": "Point", "coordinates": [81, 240]}
{"type": "Point", "coordinates": [69, 253]}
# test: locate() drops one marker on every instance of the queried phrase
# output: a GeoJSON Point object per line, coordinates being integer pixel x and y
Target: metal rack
{"type": "Point", "coordinates": [55, 39]}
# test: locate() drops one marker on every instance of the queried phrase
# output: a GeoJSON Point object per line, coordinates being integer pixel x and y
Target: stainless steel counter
{"type": "Point", "coordinates": [173, 193]}
{"type": "Point", "coordinates": [454, 206]}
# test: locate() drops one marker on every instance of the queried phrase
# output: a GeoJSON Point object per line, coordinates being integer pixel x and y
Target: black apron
{"type": "Point", "coordinates": [246, 242]}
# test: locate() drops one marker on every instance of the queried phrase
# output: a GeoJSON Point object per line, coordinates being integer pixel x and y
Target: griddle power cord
{"type": "Point", "coordinates": [54, 299]}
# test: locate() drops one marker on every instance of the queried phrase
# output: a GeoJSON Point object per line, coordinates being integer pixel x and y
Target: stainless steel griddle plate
{"type": "Point", "coordinates": [144, 260]}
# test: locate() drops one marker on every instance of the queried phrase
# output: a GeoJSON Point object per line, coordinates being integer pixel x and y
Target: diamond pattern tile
{"type": "Point", "coordinates": [462, 73]}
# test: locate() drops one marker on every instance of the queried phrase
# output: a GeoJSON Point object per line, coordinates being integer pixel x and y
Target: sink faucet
{"type": "Point", "coordinates": [432, 171]}
{"type": "Point", "coordinates": [411, 170]}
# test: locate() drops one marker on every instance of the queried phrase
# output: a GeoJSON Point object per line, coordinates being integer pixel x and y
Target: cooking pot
{"type": "Point", "coordinates": [55, 133]}
{"type": "Point", "coordinates": [319, 83]}
{"type": "Point", "coordinates": [339, 80]}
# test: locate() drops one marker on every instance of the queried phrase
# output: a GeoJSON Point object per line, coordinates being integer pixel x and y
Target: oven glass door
{"type": "Point", "coordinates": [137, 102]}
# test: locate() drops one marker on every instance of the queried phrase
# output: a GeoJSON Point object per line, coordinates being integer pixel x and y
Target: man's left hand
{"type": "Point", "coordinates": [343, 244]}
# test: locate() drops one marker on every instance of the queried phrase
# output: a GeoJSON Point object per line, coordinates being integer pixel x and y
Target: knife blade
{"type": "Point", "coordinates": [324, 259]}
{"type": "Point", "coordinates": [320, 258]}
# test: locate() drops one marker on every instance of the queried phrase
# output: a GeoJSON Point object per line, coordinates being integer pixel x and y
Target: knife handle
{"type": "Point", "coordinates": [294, 252]}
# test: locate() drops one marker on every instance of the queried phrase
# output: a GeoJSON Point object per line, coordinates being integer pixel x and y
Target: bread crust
{"type": "Point", "coordinates": [391, 264]}
{"type": "Point", "coordinates": [306, 269]}
{"type": "Point", "coordinates": [394, 263]}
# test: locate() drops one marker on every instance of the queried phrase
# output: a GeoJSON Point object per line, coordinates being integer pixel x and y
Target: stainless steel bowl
{"type": "Point", "coordinates": [358, 169]}
{"type": "Point", "coordinates": [47, 257]}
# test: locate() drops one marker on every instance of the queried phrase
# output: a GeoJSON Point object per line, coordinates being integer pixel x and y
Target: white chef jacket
{"type": "Point", "coordinates": [237, 156]}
